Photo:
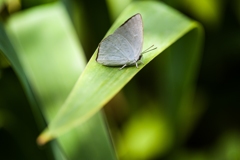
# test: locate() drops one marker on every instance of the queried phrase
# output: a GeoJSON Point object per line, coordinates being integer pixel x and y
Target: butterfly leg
{"type": "Point", "coordinates": [123, 66]}
{"type": "Point", "coordinates": [141, 61]}
{"type": "Point", "coordinates": [136, 65]}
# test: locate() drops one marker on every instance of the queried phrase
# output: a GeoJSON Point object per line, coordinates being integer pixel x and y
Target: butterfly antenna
{"type": "Point", "coordinates": [148, 49]}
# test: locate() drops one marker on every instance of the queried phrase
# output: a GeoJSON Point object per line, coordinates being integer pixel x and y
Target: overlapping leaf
{"type": "Point", "coordinates": [47, 57]}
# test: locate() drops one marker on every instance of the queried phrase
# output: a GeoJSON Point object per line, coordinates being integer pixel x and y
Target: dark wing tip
{"type": "Point", "coordinates": [131, 18]}
{"type": "Point", "coordinates": [97, 53]}
{"type": "Point", "coordinates": [99, 45]}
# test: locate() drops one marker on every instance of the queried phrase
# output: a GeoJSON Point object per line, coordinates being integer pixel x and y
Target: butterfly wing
{"type": "Point", "coordinates": [124, 46]}
{"type": "Point", "coordinates": [114, 50]}
{"type": "Point", "coordinates": [132, 30]}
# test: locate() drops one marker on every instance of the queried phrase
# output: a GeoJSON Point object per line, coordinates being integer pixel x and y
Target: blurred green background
{"type": "Point", "coordinates": [137, 117]}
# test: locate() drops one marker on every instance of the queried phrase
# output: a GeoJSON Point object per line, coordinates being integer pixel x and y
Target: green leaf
{"type": "Point", "coordinates": [51, 59]}
{"type": "Point", "coordinates": [98, 84]}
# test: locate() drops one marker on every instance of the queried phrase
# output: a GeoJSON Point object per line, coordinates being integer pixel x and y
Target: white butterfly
{"type": "Point", "coordinates": [124, 46]}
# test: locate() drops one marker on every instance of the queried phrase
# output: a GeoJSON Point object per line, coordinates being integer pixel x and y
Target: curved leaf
{"type": "Point", "coordinates": [98, 84]}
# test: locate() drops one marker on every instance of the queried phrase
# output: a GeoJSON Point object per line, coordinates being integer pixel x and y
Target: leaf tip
{"type": "Point", "coordinates": [44, 138]}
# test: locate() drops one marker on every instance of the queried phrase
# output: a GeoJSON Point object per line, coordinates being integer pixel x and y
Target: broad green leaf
{"type": "Point", "coordinates": [52, 59]}
{"type": "Point", "coordinates": [98, 84]}
{"type": "Point", "coordinates": [6, 48]}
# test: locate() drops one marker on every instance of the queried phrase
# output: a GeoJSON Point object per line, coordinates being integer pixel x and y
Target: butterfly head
{"type": "Point", "coordinates": [139, 58]}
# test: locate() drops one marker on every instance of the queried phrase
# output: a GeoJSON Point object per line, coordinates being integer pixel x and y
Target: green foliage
{"type": "Point", "coordinates": [66, 95]}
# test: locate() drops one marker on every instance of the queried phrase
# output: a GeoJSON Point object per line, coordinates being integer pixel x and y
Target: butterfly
{"type": "Point", "coordinates": [124, 46]}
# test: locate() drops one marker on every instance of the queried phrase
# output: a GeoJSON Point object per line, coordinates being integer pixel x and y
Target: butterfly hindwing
{"type": "Point", "coordinates": [114, 50]}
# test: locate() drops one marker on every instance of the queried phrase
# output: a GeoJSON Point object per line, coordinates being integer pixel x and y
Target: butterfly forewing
{"type": "Point", "coordinates": [132, 30]}
{"type": "Point", "coordinates": [124, 46]}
